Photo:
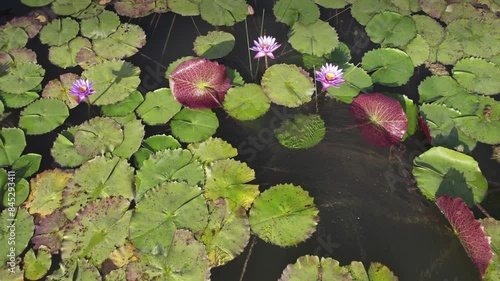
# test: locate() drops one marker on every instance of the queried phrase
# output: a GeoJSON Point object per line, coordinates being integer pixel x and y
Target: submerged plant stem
{"type": "Point", "coordinates": [248, 49]}
{"type": "Point", "coordinates": [254, 240]}
{"type": "Point", "coordinates": [483, 210]}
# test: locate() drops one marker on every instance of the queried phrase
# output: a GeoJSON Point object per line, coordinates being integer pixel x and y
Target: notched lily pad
{"type": "Point", "coordinates": [248, 102]}
{"type": "Point", "coordinates": [59, 31]}
{"type": "Point", "coordinates": [212, 149]}
{"type": "Point", "coordinates": [392, 67]}
{"type": "Point", "coordinates": [43, 116]}
{"type": "Point", "coordinates": [98, 136]}
{"type": "Point", "coordinates": [36, 266]}
{"type": "Point", "coordinates": [478, 75]}
{"type": "Point", "coordinates": [125, 106]}
{"type": "Point", "coordinates": [305, 131]}
{"type": "Point", "coordinates": [12, 38]}
{"type": "Point", "coordinates": [158, 107]}
{"type": "Point", "coordinates": [391, 29]}
{"type": "Point", "coordinates": [290, 11]}
{"type": "Point", "coordinates": [124, 42]}
{"type": "Point", "coordinates": [194, 125]}
{"type": "Point", "coordinates": [214, 45]}
{"type": "Point", "coordinates": [21, 78]}
{"type": "Point", "coordinates": [12, 145]}
{"type": "Point", "coordinates": [46, 191]}
{"type": "Point", "coordinates": [317, 39]}
{"type": "Point", "coordinates": [133, 133]}
{"type": "Point", "coordinates": [59, 89]}
{"type": "Point", "coordinates": [223, 12]}
{"type": "Point", "coordinates": [64, 152]}
{"type": "Point", "coordinates": [65, 55]}
{"type": "Point", "coordinates": [69, 7]}
{"type": "Point", "coordinates": [100, 26]}
{"type": "Point", "coordinates": [287, 85]}
{"type": "Point", "coordinates": [154, 144]}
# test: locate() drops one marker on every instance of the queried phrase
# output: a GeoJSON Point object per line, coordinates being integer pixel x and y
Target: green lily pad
{"type": "Point", "coordinates": [135, 8]}
{"type": "Point", "coordinates": [59, 31]}
{"type": "Point", "coordinates": [124, 42]}
{"type": "Point", "coordinates": [185, 7]}
{"type": "Point", "coordinates": [380, 272]}
{"type": "Point", "coordinates": [154, 144]}
{"type": "Point", "coordinates": [439, 119]}
{"type": "Point", "coordinates": [229, 179]}
{"type": "Point", "coordinates": [12, 37]}
{"type": "Point", "coordinates": [100, 26]}
{"type": "Point", "coordinates": [98, 136]}
{"type": "Point", "coordinates": [64, 151]}
{"type": "Point", "coordinates": [406, 7]}
{"type": "Point", "coordinates": [449, 51]}
{"type": "Point", "coordinates": [340, 55]}
{"type": "Point", "coordinates": [305, 131]}
{"type": "Point", "coordinates": [87, 58]}
{"type": "Point", "coordinates": [186, 259]}
{"type": "Point", "coordinates": [364, 10]}
{"type": "Point", "coordinates": [43, 116]}
{"type": "Point", "coordinates": [478, 37]}
{"type": "Point", "coordinates": [356, 80]}
{"type": "Point", "coordinates": [35, 267]}
{"type": "Point", "coordinates": [284, 215]}
{"type": "Point", "coordinates": [113, 81]}
{"type": "Point", "coordinates": [75, 270]}
{"type": "Point", "coordinates": [125, 106]}
{"type": "Point", "coordinates": [418, 49]}
{"type": "Point", "coordinates": [212, 149]}
{"type": "Point", "coordinates": [235, 77]}
{"type": "Point", "coordinates": [247, 102]}
{"type": "Point", "coordinates": [133, 133]}
{"type": "Point", "coordinates": [194, 125]}
{"type": "Point", "coordinates": [96, 231]}
{"type": "Point", "coordinates": [214, 45]}
{"type": "Point", "coordinates": [46, 191]}
{"type": "Point", "coordinates": [65, 55]}
{"type": "Point", "coordinates": [312, 268]}
{"type": "Point", "coordinates": [290, 11]}
{"type": "Point", "coordinates": [12, 144]}
{"type": "Point", "coordinates": [478, 75]}
{"type": "Point", "coordinates": [391, 29]}
{"type": "Point", "coordinates": [158, 107]}
{"type": "Point", "coordinates": [92, 11]}
{"type": "Point", "coordinates": [18, 55]}
{"type": "Point", "coordinates": [59, 89]}
{"type": "Point", "coordinates": [22, 190]}
{"type": "Point", "coordinates": [27, 165]}
{"type": "Point", "coordinates": [163, 210]}
{"type": "Point", "coordinates": [429, 29]}
{"type": "Point", "coordinates": [434, 87]}
{"type": "Point", "coordinates": [172, 66]}
{"type": "Point", "coordinates": [332, 4]}
{"type": "Point", "coordinates": [36, 3]}
{"type": "Point", "coordinates": [223, 12]}
{"type": "Point", "coordinates": [434, 8]}
{"type": "Point", "coordinates": [21, 78]}
{"type": "Point", "coordinates": [18, 100]}
{"type": "Point", "coordinates": [226, 234]}
{"type": "Point", "coordinates": [69, 7]}
{"type": "Point", "coordinates": [441, 171]}
{"type": "Point", "coordinates": [480, 128]}
{"type": "Point", "coordinates": [392, 67]}
{"type": "Point", "coordinates": [168, 165]}
{"type": "Point", "coordinates": [317, 39]}
{"type": "Point", "coordinates": [23, 231]}
{"type": "Point", "coordinates": [287, 85]}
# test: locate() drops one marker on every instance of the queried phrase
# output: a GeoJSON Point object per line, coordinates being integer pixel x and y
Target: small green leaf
{"type": "Point", "coordinates": [124, 42]}
{"type": "Point", "coordinates": [69, 7]}
{"type": "Point", "coordinates": [392, 67]}
{"type": "Point", "coordinates": [391, 29]}
{"type": "Point", "coordinates": [100, 26]}
{"type": "Point", "coordinates": [158, 107]}
{"type": "Point", "coordinates": [380, 272]}
{"type": "Point", "coordinates": [64, 152]}
{"type": "Point", "coordinates": [317, 39]}
{"type": "Point", "coordinates": [22, 190]}
{"type": "Point", "coordinates": [287, 85]}
{"type": "Point", "coordinates": [133, 133]}
{"type": "Point", "coordinates": [35, 267]}
{"type": "Point", "coordinates": [284, 215]}
{"type": "Point", "coordinates": [46, 191]}
{"type": "Point", "coordinates": [12, 144]}
{"type": "Point", "coordinates": [192, 125]}
{"type": "Point", "coordinates": [290, 11]}
{"type": "Point", "coordinates": [59, 31]}
{"type": "Point", "coordinates": [125, 106]}
{"type": "Point", "coordinates": [223, 12]}
{"type": "Point", "coordinates": [212, 149]}
{"type": "Point", "coordinates": [478, 75]}
{"type": "Point", "coordinates": [21, 78]}
{"type": "Point", "coordinates": [27, 165]}
{"type": "Point", "coordinates": [43, 116]}
{"type": "Point", "coordinates": [246, 103]}
{"type": "Point", "coordinates": [356, 80]}
{"type": "Point", "coordinates": [305, 131]}
{"type": "Point", "coordinates": [214, 45]}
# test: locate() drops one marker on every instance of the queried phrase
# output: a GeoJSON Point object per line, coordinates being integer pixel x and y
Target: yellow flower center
{"type": "Point", "coordinates": [330, 76]}
{"type": "Point", "coordinates": [82, 89]}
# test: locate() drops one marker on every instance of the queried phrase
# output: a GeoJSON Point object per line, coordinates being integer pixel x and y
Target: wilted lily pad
{"type": "Point", "coordinates": [392, 67]}
{"type": "Point", "coordinates": [46, 191]}
{"type": "Point", "coordinates": [23, 229]}
{"type": "Point", "coordinates": [49, 231]}
{"type": "Point", "coordinates": [391, 29]}
{"type": "Point", "coordinates": [64, 152]}
{"type": "Point", "coordinates": [135, 8]}
{"type": "Point", "coordinates": [154, 144]}
{"type": "Point", "coordinates": [158, 107]}
{"type": "Point", "coordinates": [247, 102]}
{"type": "Point", "coordinates": [442, 171]}
{"type": "Point", "coordinates": [290, 11]}
{"type": "Point", "coordinates": [98, 178]}
{"type": "Point", "coordinates": [101, 26]}
{"type": "Point", "coordinates": [214, 45]}
{"type": "Point", "coordinates": [12, 37]}
{"type": "Point", "coordinates": [223, 12]}
{"type": "Point", "coordinates": [66, 54]}
{"type": "Point", "coordinates": [21, 78]}
{"type": "Point", "coordinates": [199, 83]}
{"type": "Point", "coordinates": [468, 230]}
{"type": "Point", "coordinates": [229, 179]}
{"type": "Point", "coordinates": [381, 120]}
{"type": "Point", "coordinates": [43, 116]}
{"type": "Point", "coordinates": [161, 211]}
{"type": "Point", "coordinates": [59, 31]}
{"type": "Point", "coordinates": [12, 145]}
{"type": "Point", "coordinates": [125, 106]}
{"type": "Point", "coordinates": [212, 149]}
{"type": "Point", "coordinates": [284, 215]}
{"type": "Point", "coordinates": [59, 89]}
{"type": "Point", "coordinates": [98, 136]}
{"type": "Point", "coordinates": [287, 85]}
{"type": "Point", "coordinates": [87, 58]}
{"type": "Point", "coordinates": [124, 42]}
{"type": "Point", "coordinates": [356, 80]}
{"type": "Point", "coordinates": [317, 39]}
{"type": "Point", "coordinates": [305, 131]}
{"type": "Point", "coordinates": [478, 75]}
{"type": "Point", "coordinates": [193, 125]}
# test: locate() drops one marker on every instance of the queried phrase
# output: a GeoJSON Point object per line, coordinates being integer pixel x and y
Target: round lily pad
{"type": "Point", "coordinates": [35, 267]}
{"type": "Point", "coordinates": [69, 7]}
{"type": "Point", "coordinates": [194, 125]}
{"type": "Point", "coordinates": [18, 55]}
{"type": "Point", "coordinates": [305, 131]}
{"type": "Point", "coordinates": [391, 29]}
{"type": "Point", "coordinates": [158, 107]}
{"type": "Point", "coordinates": [312, 268]}
{"type": "Point", "coordinates": [356, 80]}
{"type": "Point", "coordinates": [64, 151]}
{"type": "Point", "coordinates": [21, 78]}
{"type": "Point", "coordinates": [364, 10]}
{"type": "Point", "coordinates": [478, 75]}
{"type": "Point", "coordinates": [431, 31]}
{"type": "Point", "coordinates": [18, 100]}
{"type": "Point", "coordinates": [288, 85]}
{"type": "Point", "coordinates": [434, 87]}
{"type": "Point", "coordinates": [332, 4]}
{"type": "Point", "coordinates": [12, 145]}
{"type": "Point", "coordinates": [12, 37]}
{"type": "Point", "coordinates": [36, 3]}
{"type": "Point", "coordinates": [64, 56]}
{"type": "Point", "coordinates": [22, 191]}
{"type": "Point", "coordinates": [46, 191]}
{"type": "Point", "coordinates": [43, 116]}
{"type": "Point", "coordinates": [317, 39]}
{"type": "Point", "coordinates": [59, 31]}
{"type": "Point", "coordinates": [135, 8]}
{"type": "Point", "coordinates": [101, 26]}
{"type": "Point", "coordinates": [185, 7]}
{"type": "Point", "coordinates": [26, 165]}
{"type": "Point", "coordinates": [284, 215]}
{"type": "Point", "coordinates": [161, 211]}
{"type": "Point", "coordinates": [449, 51]}
{"type": "Point", "coordinates": [212, 149]}
{"type": "Point", "coordinates": [442, 171]}
{"type": "Point", "coordinates": [98, 136]}
{"type": "Point", "coordinates": [247, 102]}
{"type": "Point", "coordinates": [223, 12]}
{"type": "Point", "coordinates": [392, 67]}
{"type": "Point", "coordinates": [154, 144]}
{"type": "Point", "coordinates": [125, 106]}
{"type": "Point", "coordinates": [214, 45]}
{"type": "Point", "coordinates": [30, 24]}
{"type": "Point", "coordinates": [133, 133]}
{"type": "Point", "coordinates": [59, 89]}
{"type": "Point", "coordinates": [124, 42]}
{"type": "Point", "coordinates": [290, 11]}
{"type": "Point", "coordinates": [113, 81]}
{"type": "Point", "coordinates": [478, 37]}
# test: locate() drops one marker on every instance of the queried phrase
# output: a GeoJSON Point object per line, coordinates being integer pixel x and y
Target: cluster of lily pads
{"type": "Point", "coordinates": [125, 206]}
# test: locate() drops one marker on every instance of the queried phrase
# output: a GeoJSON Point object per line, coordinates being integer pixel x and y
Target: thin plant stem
{"type": "Point", "coordinates": [483, 210]}
{"type": "Point", "coordinates": [248, 49]}
{"type": "Point", "coordinates": [168, 36]}
{"type": "Point", "coordinates": [346, 9]}
{"type": "Point", "coordinates": [315, 88]}
{"type": "Point", "coordinates": [254, 240]}
{"type": "Point", "coordinates": [88, 107]}
{"type": "Point", "coordinates": [196, 26]}
{"type": "Point", "coordinates": [265, 59]}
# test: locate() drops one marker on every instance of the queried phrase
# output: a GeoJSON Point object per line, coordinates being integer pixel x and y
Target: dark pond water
{"type": "Point", "coordinates": [363, 216]}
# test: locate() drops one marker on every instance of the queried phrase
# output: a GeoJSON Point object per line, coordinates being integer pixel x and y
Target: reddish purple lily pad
{"type": "Point", "coordinates": [18, 55]}
{"type": "Point", "coordinates": [381, 119]}
{"type": "Point", "coordinates": [199, 83]}
{"type": "Point", "coordinates": [469, 230]}
{"type": "Point", "coordinates": [30, 24]}
{"type": "Point", "coordinates": [425, 128]}
{"type": "Point", "coordinates": [49, 232]}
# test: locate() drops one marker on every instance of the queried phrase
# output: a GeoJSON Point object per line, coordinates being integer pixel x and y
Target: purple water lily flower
{"type": "Point", "coordinates": [265, 47]}
{"type": "Point", "coordinates": [81, 88]}
{"type": "Point", "coordinates": [330, 75]}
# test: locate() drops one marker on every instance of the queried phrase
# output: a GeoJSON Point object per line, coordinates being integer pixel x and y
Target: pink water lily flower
{"type": "Point", "coordinates": [330, 75]}
{"type": "Point", "coordinates": [265, 47]}
{"type": "Point", "coordinates": [81, 88]}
